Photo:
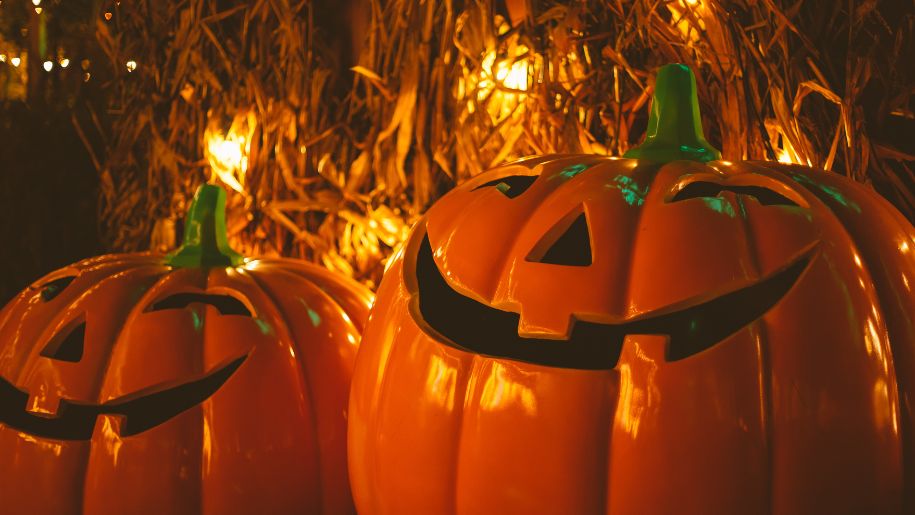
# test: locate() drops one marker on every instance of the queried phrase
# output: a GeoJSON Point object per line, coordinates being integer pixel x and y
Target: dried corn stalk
{"type": "Point", "coordinates": [333, 165]}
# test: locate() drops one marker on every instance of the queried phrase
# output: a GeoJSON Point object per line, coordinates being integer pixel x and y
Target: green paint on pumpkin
{"type": "Point", "coordinates": [632, 192]}
{"type": "Point", "coordinates": [674, 125]}
{"type": "Point", "coordinates": [719, 205]}
{"type": "Point", "coordinates": [572, 170]}
{"type": "Point", "coordinates": [265, 328]}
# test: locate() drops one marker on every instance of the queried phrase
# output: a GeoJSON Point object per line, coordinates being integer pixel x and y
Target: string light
{"type": "Point", "coordinates": [64, 62]}
{"type": "Point", "coordinates": [36, 3]}
{"type": "Point", "coordinates": [48, 66]}
{"type": "Point", "coordinates": [131, 66]}
{"type": "Point", "coordinates": [38, 10]}
{"type": "Point", "coordinates": [2, 58]}
{"type": "Point", "coordinates": [15, 61]}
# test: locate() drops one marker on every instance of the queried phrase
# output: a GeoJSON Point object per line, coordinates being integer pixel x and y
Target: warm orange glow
{"type": "Point", "coordinates": [441, 382]}
{"type": "Point", "coordinates": [503, 82]}
{"type": "Point", "coordinates": [784, 156]}
{"type": "Point", "coordinates": [228, 153]}
{"type": "Point", "coordinates": [505, 388]}
{"type": "Point", "coordinates": [510, 74]}
{"type": "Point", "coordinates": [688, 18]}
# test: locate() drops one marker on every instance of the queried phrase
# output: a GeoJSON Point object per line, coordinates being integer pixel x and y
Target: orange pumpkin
{"type": "Point", "coordinates": [199, 382]}
{"type": "Point", "coordinates": [669, 333]}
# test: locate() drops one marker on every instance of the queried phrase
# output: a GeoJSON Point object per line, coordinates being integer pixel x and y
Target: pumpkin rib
{"type": "Point", "coordinates": [390, 381]}
{"type": "Point", "coordinates": [907, 410]}
{"type": "Point", "coordinates": [365, 359]}
{"type": "Point", "coordinates": [762, 359]}
{"type": "Point", "coordinates": [348, 295]}
{"type": "Point", "coordinates": [766, 410]}
{"type": "Point", "coordinates": [89, 448]}
{"type": "Point", "coordinates": [886, 288]}
{"type": "Point", "coordinates": [303, 372]}
{"type": "Point", "coordinates": [318, 296]}
{"type": "Point", "coordinates": [151, 293]}
{"type": "Point", "coordinates": [831, 205]}
{"type": "Point", "coordinates": [654, 171]}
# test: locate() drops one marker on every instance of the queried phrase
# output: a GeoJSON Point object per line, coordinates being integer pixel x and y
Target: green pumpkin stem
{"type": "Point", "coordinates": [206, 242]}
{"type": "Point", "coordinates": [674, 126]}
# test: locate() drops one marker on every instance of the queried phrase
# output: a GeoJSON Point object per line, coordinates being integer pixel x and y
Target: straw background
{"type": "Point", "coordinates": [357, 115]}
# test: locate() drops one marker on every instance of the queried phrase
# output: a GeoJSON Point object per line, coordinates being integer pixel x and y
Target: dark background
{"type": "Point", "coordinates": [48, 196]}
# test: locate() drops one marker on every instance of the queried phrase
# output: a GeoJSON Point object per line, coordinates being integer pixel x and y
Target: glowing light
{"type": "Point", "coordinates": [64, 62]}
{"type": "Point", "coordinates": [688, 18]}
{"type": "Point", "coordinates": [131, 66]}
{"type": "Point", "coordinates": [87, 76]}
{"type": "Point", "coordinates": [228, 153]}
{"type": "Point", "coordinates": [15, 61]}
{"type": "Point", "coordinates": [36, 3]}
{"type": "Point", "coordinates": [784, 156]}
{"type": "Point", "coordinates": [2, 58]}
{"type": "Point", "coordinates": [508, 73]}
{"type": "Point", "coordinates": [108, 15]}
{"type": "Point", "coordinates": [38, 10]}
{"type": "Point", "coordinates": [726, 163]}
{"type": "Point", "coordinates": [501, 82]}
{"type": "Point", "coordinates": [904, 247]}
{"type": "Point", "coordinates": [48, 66]}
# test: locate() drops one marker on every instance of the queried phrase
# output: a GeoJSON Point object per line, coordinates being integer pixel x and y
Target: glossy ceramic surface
{"type": "Point", "coordinates": [245, 397]}
{"type": "Point", "coordinates": [806, 408]}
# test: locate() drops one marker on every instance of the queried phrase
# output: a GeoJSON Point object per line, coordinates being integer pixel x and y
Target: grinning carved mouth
{"type": "Point", "coordinates": [466, 324]}
{"type": "Point", "coordinates": [76, 421]}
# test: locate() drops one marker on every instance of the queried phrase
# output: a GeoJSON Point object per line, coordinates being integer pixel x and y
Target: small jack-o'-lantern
{"type": "Point", "coordinates": [666, 333]}
{"type": "Point", "coordinates": [199, 382]}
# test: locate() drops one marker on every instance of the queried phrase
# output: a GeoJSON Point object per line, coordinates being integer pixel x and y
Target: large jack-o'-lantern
{"type": "Point", "coordinates": [199, 382]}
{"type": "Point", "coordinates": [665, 333]}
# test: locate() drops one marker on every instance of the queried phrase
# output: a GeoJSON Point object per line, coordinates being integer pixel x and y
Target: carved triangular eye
{"type": "Point", "coordinates": [53, 288]}
{"type": "Point", "coordinates": [764, 195]}
{"type": "Point", "coordinates": [511, 186]}
{"type": "Point", "coordinates": [567, 243]}
{"type": "Point", "coordinates": [70, 348]}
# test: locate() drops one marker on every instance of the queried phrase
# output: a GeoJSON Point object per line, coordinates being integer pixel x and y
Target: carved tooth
{"type": "Point", "coordinates": [43, 403]}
